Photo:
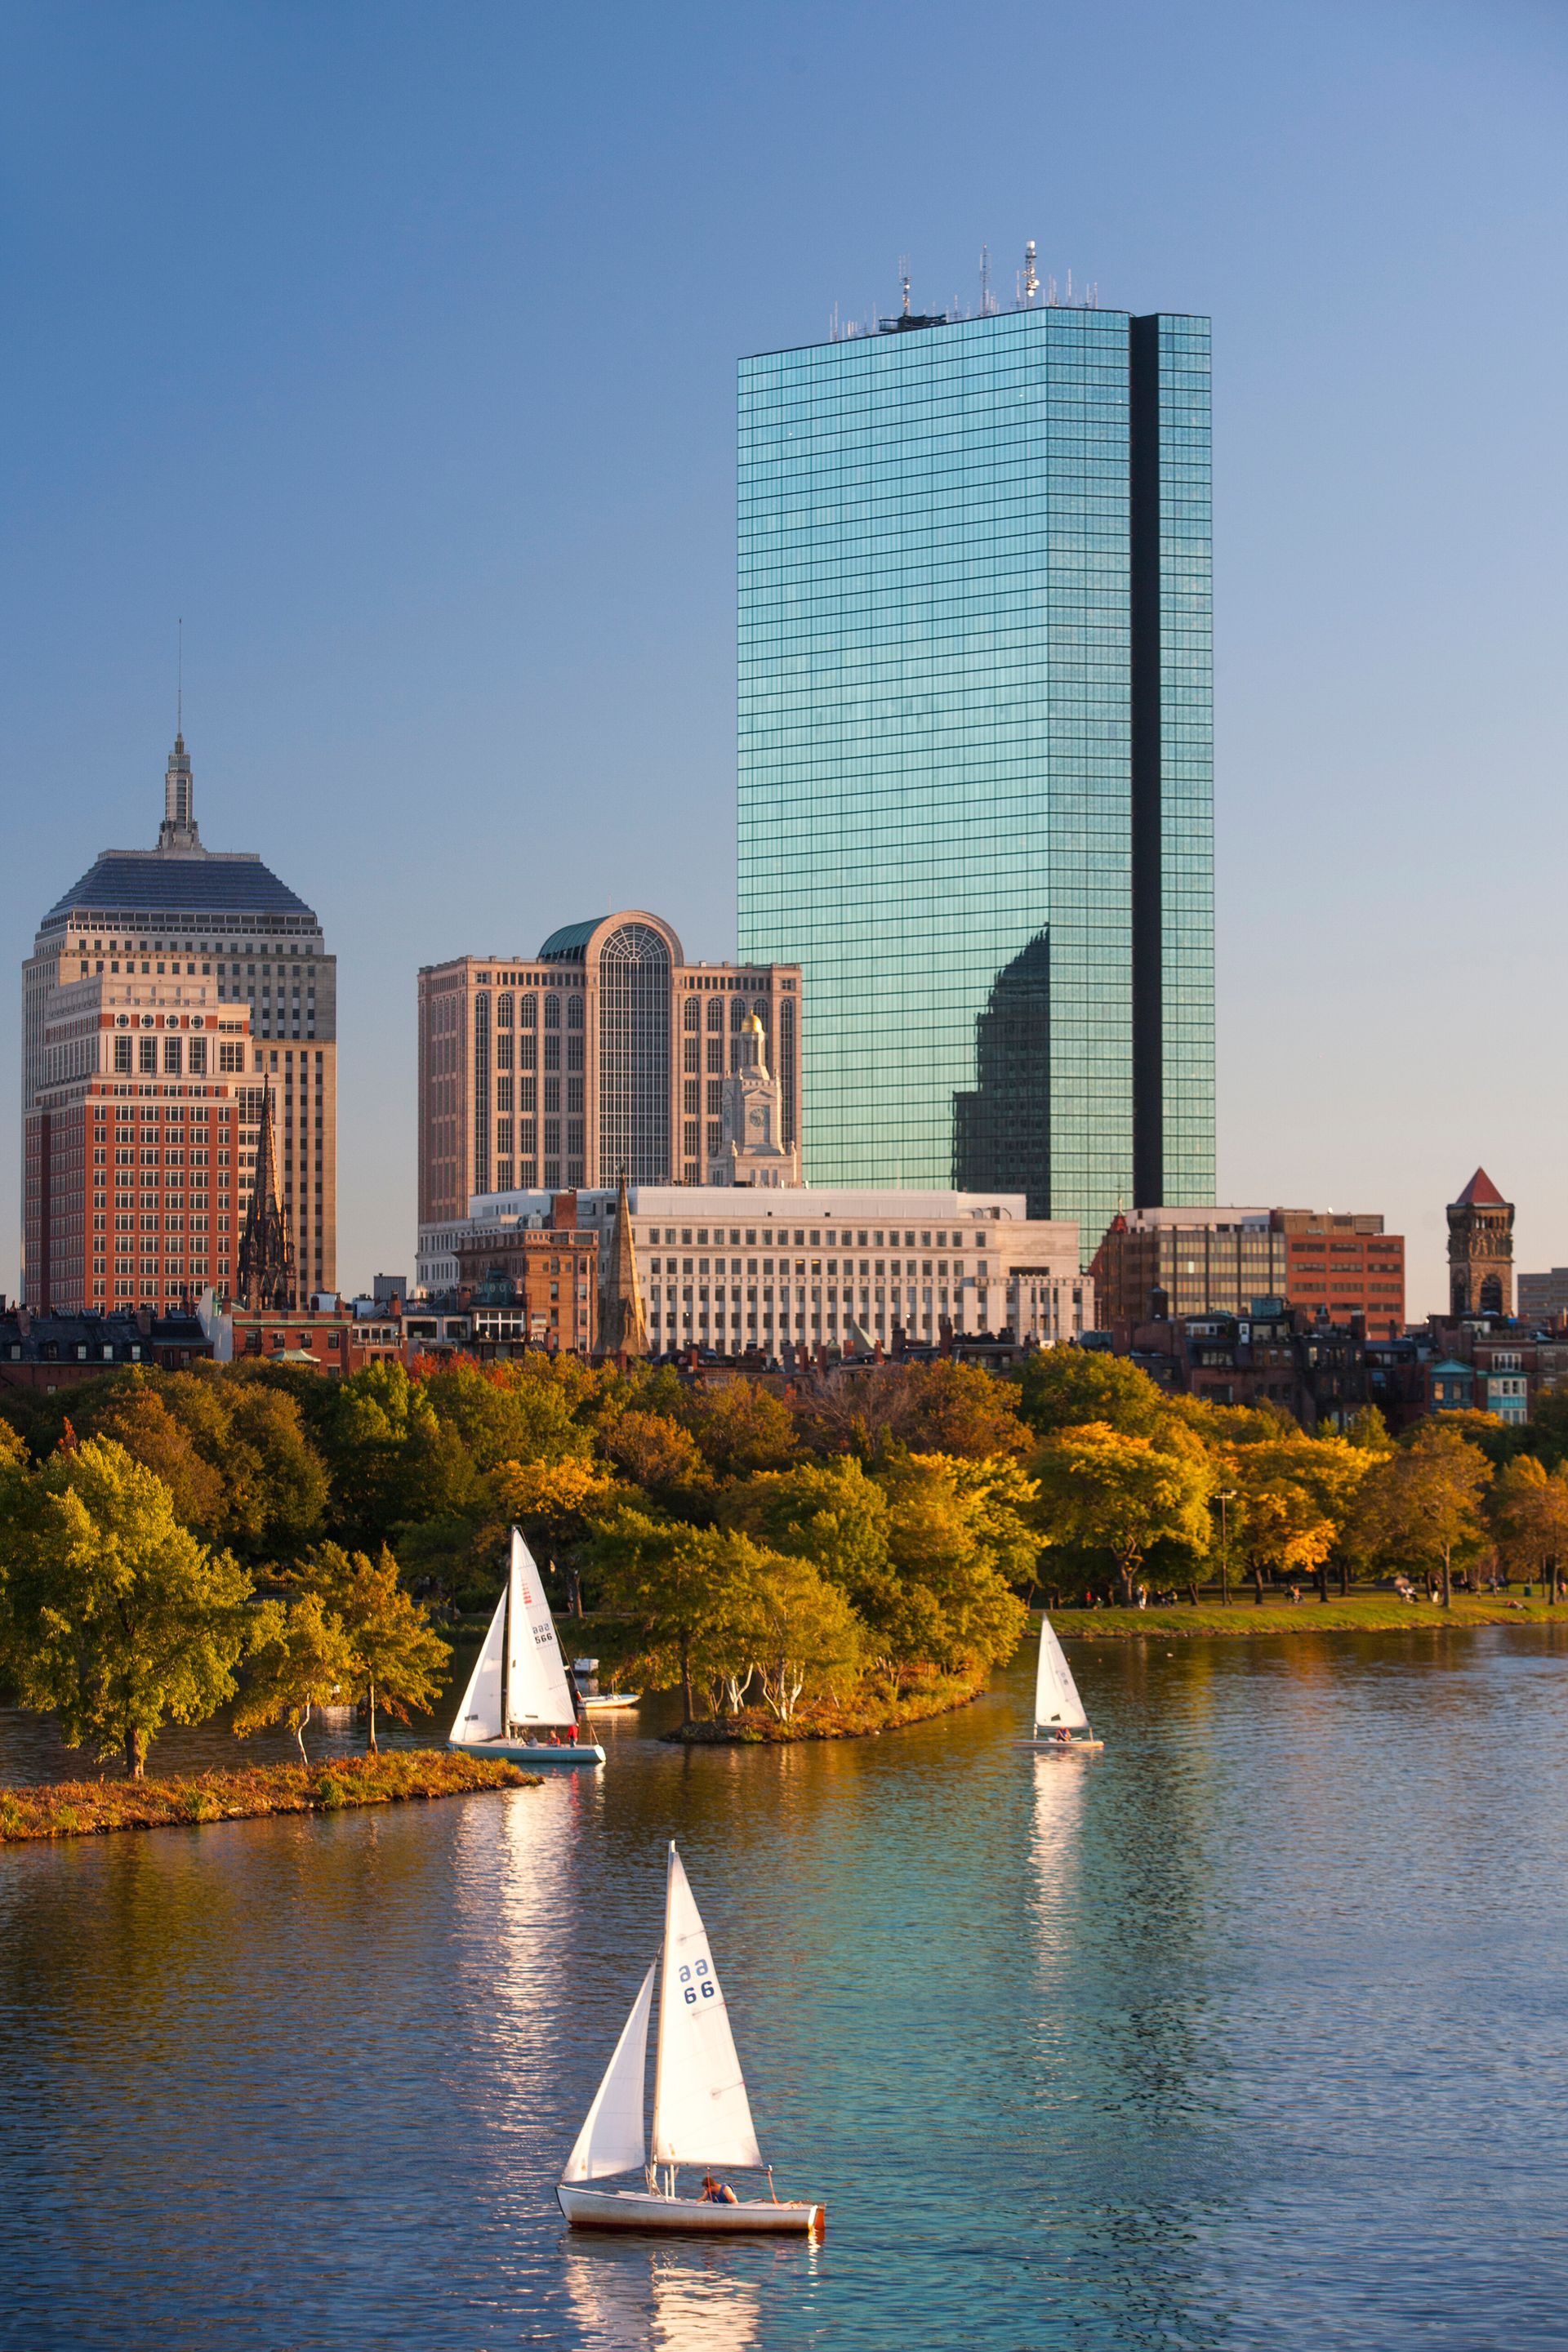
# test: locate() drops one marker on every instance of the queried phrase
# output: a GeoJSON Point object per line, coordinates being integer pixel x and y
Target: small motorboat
{"type": "Point", "coordinates": [585, 1682]}
{"type": "Point", "coordinates": [1061, 1726]}
{"type": "Point", "coordinates": [518, 1705]}
{"type": "Point", "coordinates": [702, 2114]}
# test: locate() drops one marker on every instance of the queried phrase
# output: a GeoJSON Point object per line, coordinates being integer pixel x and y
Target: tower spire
{"type": "Point", "coordinates": [178, 830]}
{"type": "Point", "coordinates": [623, 1325]}
{"type": "Point", "coordinates": [266, 1278]}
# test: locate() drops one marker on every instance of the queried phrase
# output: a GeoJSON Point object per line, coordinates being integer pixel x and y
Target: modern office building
{"type": "Point", "coordinates": [163, 994]}
{"type": "Point", "coordinates": [1159, 1263]}
{"type": "Point", "coordinates": [975, 764]}
{"type": "Point", "coordinates": [605, 1053]}
{"type": "Point", "coordinates": [1544, 1297]}
{"type": "Point", "coordinates": [732, 1270]}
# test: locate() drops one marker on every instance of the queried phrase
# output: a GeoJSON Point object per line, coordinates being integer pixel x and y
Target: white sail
{"type": "Point", "coordinates": [700, 2112]}
{"type": "Point", "coordinates": [480, 1715]}
{"type": "Point", "coordinates": [537, 1688]}
{"type": "Point", "coordinates": [612, 2139]}
{"type": "Point", "coordinates": [1057, 1705]}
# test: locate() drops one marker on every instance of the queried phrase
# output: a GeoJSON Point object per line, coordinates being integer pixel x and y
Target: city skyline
{"type": "Point", "coordinates": [447, 563]}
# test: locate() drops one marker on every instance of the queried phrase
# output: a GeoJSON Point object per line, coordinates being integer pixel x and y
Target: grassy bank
{"type": "Point", "coordinates": [1370, 1613]}
{"type": "Point", "coordinates": [87, 1807]}
{"type": "Point", "coordinates": [861, 1718]}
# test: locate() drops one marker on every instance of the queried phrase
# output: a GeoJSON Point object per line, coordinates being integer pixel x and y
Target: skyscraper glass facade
{"type": "Point", "coordinates": [974, 581]}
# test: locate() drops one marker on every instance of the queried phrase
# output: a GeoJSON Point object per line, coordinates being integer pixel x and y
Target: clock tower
{"type": "Point", "coordinates": [751, 1149]}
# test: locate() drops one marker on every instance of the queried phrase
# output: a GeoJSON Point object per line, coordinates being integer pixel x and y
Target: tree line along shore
{"type": "Point", "coordinates": [860, 1550]}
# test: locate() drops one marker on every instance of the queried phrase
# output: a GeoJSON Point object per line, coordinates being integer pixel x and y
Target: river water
{"type": "Point", "coordinates": [1250, 2032]}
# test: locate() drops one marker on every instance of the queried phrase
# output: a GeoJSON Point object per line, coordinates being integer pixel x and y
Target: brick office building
{"type": "Point", "coordinates": [602, 1055]}
{"type": "Point", "coordinates": [1155, 1263]}
{"type": "Point", "coordinates": [166, 978]}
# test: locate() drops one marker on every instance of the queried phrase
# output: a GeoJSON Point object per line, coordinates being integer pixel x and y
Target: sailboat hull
{"type": "Point", "coordinates": [1063, 1746]}
{"type": "Point", "coordinates": [637, 2208]}
{"type": "Point", "coordinates": [539, 1756]}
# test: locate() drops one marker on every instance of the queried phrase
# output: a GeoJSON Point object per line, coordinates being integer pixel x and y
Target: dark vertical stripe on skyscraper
{"type": "Point", "coordinates": [1148, 1042]}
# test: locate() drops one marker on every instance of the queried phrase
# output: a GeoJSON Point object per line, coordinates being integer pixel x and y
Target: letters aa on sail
{"type": "Point", "coordinates": [1056, 1701]}
{"type": "Point", "coordinates": [700, 2111]}
{"type": "Point", "coordinates": [612, 2139]}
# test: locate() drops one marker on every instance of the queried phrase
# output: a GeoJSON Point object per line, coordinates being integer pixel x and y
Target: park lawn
{"type": "Point", "coordinates": [1369, 1612]}
{"type": "Point", "coordinates": [859, 1718]}
{"type": "Point", "coordinates": [88, 1808]}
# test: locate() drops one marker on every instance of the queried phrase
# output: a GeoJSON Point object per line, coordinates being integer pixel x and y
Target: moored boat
{"type": "Point", "coordinates": [590, 1698]}
{"type": "Point", "coordinates": [702, 2114]}
{"type": "Point", "coordinates": [1061, 1724]}
{"type": "Point", "coordinates": [518, 1705]}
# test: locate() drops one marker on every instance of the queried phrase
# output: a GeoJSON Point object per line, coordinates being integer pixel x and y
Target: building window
{"type": "Point", "coordinates": [634, 983]}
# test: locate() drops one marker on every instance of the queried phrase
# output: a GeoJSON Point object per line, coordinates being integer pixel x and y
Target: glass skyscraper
{"type": "Point", "coordinates": [975, 756]}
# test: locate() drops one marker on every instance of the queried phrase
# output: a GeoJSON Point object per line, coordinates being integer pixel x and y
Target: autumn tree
{"type": "Point", "coordinates": [299, 1658]}
{"type": "Point", "coordinates": [120, 1619]}
{"type": "Point", "coordinates": [665, 1574]}
{"type": "Point", "coordinates": [740, 1429]}
{"type": "Point", "coordinates": [1066, 1388]}
{"type": "Point", "coordinates": [1106, 1489]}
{"type": "Point", "coordinates": [400, 1660]}
{"type": "Point", "coordinates": [800, 1629]}
{"type": "Point", "coordinates": [1421, 1506]}
{"type": "Point", "coordinates": [1529, 1512]}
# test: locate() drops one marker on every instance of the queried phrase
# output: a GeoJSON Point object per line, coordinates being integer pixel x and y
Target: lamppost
{"type": "Point", "coordinates": [1227, 1497]}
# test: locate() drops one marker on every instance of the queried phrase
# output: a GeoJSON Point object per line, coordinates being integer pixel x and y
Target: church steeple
{"type": "Point", "coordinates": [266, 1278]}
{"type": "Point", "coordinates": [178, 830]}
{"type": "Point", "coordinates": [623, 1326]}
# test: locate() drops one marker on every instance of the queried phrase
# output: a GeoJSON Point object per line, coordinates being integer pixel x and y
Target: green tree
{"type": "Point", "coordinates": [1105, 1489]}
{"type": "Point", "coordinates": [1421, 1507]}
{"type": "Point", "coordinates": [740, 1429]}
{"type": "Point", "coordinates": [121, 1620]}
{"type": "Point", "coordinates": [401, 1660]}
{"type": "Point", "coordinates": [802, 1631]}
{"type": "Point", "coordinates": [955, 1541]}
{"type": "Point", "coordinates": [960, 1410]}
{"type": "Point", "coordinates": [299, 1658]}
{"type": "Point", "coordinates": [1066, 1388]}
{"type": "Point", "coordinates": [682, 1585]}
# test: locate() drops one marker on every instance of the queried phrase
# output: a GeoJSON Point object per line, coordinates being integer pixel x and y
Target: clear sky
{"type": "Point", "coordinates": [393, 347]}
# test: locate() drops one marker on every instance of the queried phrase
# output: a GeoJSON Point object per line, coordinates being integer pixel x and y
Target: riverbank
{"type": "Point", "coordinates": [861, 1718]}
{"type": "Point", "coordinates": [399, 1776]}
{"type": "Point", "coordinates": [1370, 1613]}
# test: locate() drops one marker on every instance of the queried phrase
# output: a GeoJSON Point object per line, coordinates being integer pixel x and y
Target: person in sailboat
{"type": "Point", "coordinates": [716, 2191]}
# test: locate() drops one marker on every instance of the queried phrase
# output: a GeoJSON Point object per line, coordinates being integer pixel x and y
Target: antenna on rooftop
{"type": "Point", "coordinates": [1070, 287]}
{"type": "Point", "coordinates": [179, 677]}
{"type": "Point", "coordinates": [986, 304]}
{"type": "Point", "coordinates": [1031, 275]}
{"type": "Point", "coordinates": [904, 280]}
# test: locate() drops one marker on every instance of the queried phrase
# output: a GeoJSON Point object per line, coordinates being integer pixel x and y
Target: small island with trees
{"type": "Point", "coordinates": [852, 1554]}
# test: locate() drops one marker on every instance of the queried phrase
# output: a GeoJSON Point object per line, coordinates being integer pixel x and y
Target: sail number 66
{"type": "Point", "coordinates": [704, 1984]}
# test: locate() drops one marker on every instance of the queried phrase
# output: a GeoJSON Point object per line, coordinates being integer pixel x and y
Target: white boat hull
{"type": "Point", "coordinates": [601, 1701]}
{"type": "Point", "coordinates": [537, 1755]}
{"type": "Point", "coordinates": [1063, 1746]}
{"type": "Point", "coordinates": [638, 2209]}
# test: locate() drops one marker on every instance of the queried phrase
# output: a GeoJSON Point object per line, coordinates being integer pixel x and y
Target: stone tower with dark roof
{"type": "Point", "coordinates": [1480, 1250]}
{"type": "Point", "coordinates": [267, 1280]}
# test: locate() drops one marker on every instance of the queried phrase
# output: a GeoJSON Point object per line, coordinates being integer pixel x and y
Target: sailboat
{"type": "Point", "coordinates": [517, 1690]}
{"type": "Point", "coordinates": [1059, 1716]}
{"type": "Point", "coordinates": [700, 2112]}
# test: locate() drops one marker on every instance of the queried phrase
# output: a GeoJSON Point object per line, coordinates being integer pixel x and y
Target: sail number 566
{"type": "Point", "coordinates": [703, 1988]}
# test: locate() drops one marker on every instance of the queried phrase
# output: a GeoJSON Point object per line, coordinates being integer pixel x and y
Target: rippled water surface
{"type": "Point", "coordinates": [1250, 2032]}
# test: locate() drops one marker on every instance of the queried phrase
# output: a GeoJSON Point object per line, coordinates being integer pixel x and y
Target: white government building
{"type": "Point", "coordinates": [732, 1267]}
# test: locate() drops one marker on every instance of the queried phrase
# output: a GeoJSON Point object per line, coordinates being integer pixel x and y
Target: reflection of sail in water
{"type": "Point", "coordinates": [515, 1919]}
{"type": "Point", "coordinates": [1060, 1796]}
{"type": "Point", "coordinates": [642, 2299]}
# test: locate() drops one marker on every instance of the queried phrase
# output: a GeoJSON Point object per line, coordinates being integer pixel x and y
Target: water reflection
{"type": "Point", "coordinates": [1105, 2052]}
{"type": "Point", "coordinates": [637, 2297]}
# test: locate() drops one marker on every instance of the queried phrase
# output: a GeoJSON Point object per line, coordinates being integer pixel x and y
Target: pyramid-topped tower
{"type": "Point", "coordinates": [1480, 1250]}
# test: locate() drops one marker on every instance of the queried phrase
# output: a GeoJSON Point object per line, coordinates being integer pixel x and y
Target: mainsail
{"type": "Point", "coordinates": [480, 1715]}
{"type": "Point", "coordinates": [1056, 1701]}
{"type": "Point", "coordinates": [700, 2112]}
{"type": "Point", "coordinates": [612, 2140]}
{"type": "Point", "coordinates": [537, 1688]}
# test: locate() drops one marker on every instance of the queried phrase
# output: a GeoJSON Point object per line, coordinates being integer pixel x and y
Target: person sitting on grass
{"type": "Point", "coordinates": [716, 2191]}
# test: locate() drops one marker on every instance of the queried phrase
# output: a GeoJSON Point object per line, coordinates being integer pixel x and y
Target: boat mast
{"type": "Point", "coordinates": [663, 1998]}
{"type": "Point", "coordinates": [506, 1657]}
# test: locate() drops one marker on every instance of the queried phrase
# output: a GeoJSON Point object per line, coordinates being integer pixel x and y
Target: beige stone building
{"type": "Point", "coordinates": [131, 969]}
{"type": "Point", "coordinates": [605, 1053]}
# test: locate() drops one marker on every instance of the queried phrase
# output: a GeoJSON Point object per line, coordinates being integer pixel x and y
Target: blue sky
{"type": "Point", "coordinates": [393, 347]}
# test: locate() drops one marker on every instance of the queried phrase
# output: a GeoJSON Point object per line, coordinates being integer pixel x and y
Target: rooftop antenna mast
{"type": "Point", "coordinates": [1031, 275]}
{"type": "Point", "coordinates": [987, 303]}
{"type": "Point", "coordinates": [180, 677]}
{"type": "Point", "coordinates": [904, 280]}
